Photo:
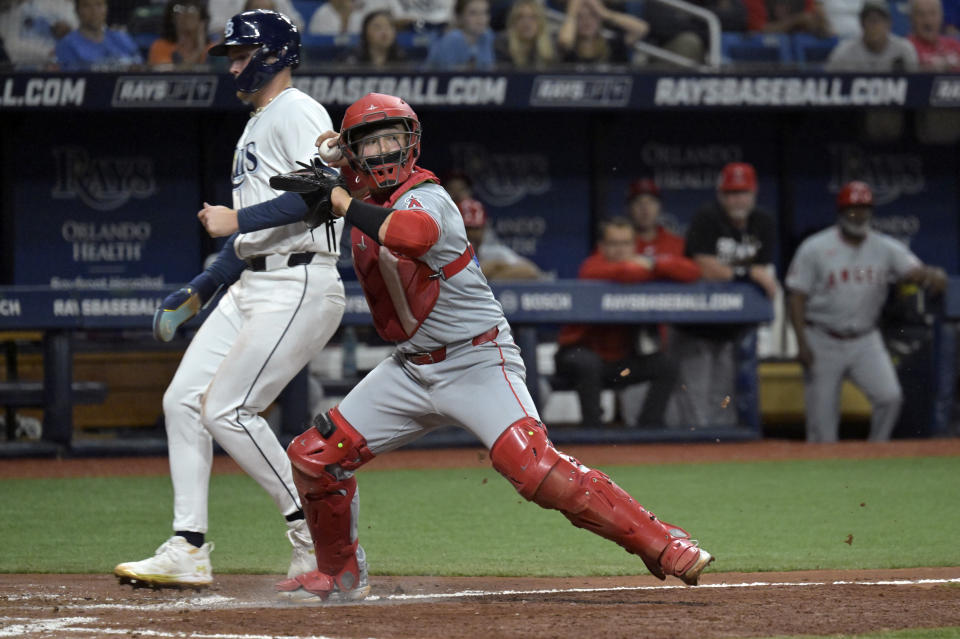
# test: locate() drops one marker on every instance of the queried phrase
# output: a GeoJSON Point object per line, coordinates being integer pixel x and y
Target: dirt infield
{"type": "Point", "coordinates": [725, 605]}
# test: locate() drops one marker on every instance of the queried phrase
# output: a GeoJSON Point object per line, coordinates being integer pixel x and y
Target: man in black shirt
{"type": "Point", "coordinates": [730, 239]}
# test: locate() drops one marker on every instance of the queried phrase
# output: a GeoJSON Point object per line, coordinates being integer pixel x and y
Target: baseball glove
{"type": "Point", "coordinates": [313, 183]}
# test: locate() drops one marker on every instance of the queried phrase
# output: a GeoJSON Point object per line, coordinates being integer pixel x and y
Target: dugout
{"type": "Point", "coordinates": [103, 173]}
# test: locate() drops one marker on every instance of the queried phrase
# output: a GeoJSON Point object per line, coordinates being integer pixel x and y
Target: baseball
{"type": "Point", "coordinates": [330, 151]}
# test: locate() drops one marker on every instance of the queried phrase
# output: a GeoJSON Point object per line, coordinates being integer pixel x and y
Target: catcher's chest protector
{"type": "Point", "coordinates": [400, 291]}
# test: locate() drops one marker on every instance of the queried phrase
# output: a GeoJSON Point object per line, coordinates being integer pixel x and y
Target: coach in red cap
{"type": "Point", "coordinates": [730, 239]}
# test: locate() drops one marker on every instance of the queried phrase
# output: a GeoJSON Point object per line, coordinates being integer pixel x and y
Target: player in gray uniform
{"type": "Point", "coordinates": [284, 301]}
{"type": "Point", "coordinates": [456, 363]}
{"type": "Point", "coordinates": [838, 282]}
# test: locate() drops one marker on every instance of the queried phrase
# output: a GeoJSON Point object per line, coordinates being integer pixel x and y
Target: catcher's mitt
{"type": "Point", "coordinates": [313, 183]}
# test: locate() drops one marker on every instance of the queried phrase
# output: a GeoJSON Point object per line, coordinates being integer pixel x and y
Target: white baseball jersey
{"type": "Point", "coordinates": [466, 307]}
{"type": "Point", "coordinates": [846, 284]}
{"type": "Point", "coordinates": [291, 121]}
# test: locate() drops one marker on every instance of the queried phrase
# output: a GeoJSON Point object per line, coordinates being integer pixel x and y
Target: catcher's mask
{"type": "Point", "coordinates": [279, 42]}
{"type": "Point", "coordinates": [373, 118]}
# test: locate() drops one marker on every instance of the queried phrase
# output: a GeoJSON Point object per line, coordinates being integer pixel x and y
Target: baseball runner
{"type": "Point", "coordinates": [455, 363]}
{"type": "Point", "coordinates": [838, 283]}
{"type": "Point", "coordinates": [284, 301]}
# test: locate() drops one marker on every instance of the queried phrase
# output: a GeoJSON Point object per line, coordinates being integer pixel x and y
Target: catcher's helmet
{"type": "Point", "coordinates": [737, 176]}
{"type": "Point", "coordinates": [278, 38]}
{"type": "Point", "coordinates": [366, 116]}
{"type": "Point", "coordinates": [854, 193]}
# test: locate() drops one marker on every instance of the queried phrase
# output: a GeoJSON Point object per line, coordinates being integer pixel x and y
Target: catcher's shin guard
{"type": "Point", "coordinates": [591, 500]}
{"type": "Point", "coordinates": [326, 496]}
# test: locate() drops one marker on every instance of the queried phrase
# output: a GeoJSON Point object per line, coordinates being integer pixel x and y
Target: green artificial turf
{"type": "Point", "coordinates": [769, 516]}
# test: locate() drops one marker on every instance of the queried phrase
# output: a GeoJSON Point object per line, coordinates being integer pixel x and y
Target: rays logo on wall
{"type": "Point", "coordinates": [503, 179]}
{"type": "Point", "coordinates": [890, 175]}
{"type": "Point", "coordinates": [102, 183]}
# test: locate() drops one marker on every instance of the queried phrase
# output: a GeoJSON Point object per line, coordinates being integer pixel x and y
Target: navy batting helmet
{"type": "Point", "coordinates": [279, 40]}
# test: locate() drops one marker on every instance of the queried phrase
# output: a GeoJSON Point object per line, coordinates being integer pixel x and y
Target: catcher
{"type": "Point", "coordinates": [455, 361]}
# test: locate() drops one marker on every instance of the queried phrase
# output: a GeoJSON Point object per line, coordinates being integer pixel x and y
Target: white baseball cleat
{"type": "Point", "coordinates": [176, 563]}
{"type": "Point", "coordinates": [304, 557]}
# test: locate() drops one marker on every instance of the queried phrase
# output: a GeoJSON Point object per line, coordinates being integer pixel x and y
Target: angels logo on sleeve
{"type": "Point", "coordinates": [413, 203]}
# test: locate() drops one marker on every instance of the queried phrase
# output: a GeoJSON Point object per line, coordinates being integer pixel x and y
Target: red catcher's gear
{"type": "Point", "coordinates": [400, 291]}
{"type": "Point", "coordinates": [411, 232]}
{"type": "Point", "coordinates": [373, 111]}
{"type": "Point", "coordinates": [590, 500]}
{"type": "Point", "coordinates": [737, 176]}
{"type": "Point", "coordinates": [326, 501]}
{"type": "Point", "coordinates": [854, 194]}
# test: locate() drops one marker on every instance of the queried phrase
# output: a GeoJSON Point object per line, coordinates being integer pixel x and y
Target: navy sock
{"type": "Point", "coordinates": [294, 516]}
{"type": "Point", "coordinates": [195, 538]}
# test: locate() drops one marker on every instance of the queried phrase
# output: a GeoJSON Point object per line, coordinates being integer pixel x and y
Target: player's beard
{"type": "Point", "coordinates": [855, 229]}
{"type": "Point", "coordinates": [738, 214]}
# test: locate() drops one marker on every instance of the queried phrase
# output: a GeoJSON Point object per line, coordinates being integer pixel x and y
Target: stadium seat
{"type": "Point", "coordinates": [318, 49]}
{"type": "Point", "coordinates": [416, 44]}
{"type": "Point", "coordinates": [772, 48]}
{"type": "Point", "coordinates": [634, 7]}
{"type": "Point", "coordinates": [306, 9]}
{"type": "Point", "coordinates": [811, 51]}
{"type": "Point", "coordinates": [900, 17]}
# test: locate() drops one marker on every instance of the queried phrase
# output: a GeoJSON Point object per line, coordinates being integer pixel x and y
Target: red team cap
{"type": "Point", "coordinates": [644, 186]}
{"type": "Point", "coordinates": [854, 193]}
{"type": "Point", "coordinates": [737, 176]}
{"type": "Point", "coordinates": [474, 215]}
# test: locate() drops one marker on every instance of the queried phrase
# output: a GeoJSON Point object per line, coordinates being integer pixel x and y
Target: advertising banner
{"type": "Point", "coordinates": [111, 204]}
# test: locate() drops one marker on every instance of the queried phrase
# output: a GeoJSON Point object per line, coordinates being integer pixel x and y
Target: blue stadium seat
{"type": "Point", "coordinates": [900, 17]}
{"type": "Point", "coordinates": [634, 7]}
{"type": "Point", "coordinates": [143, 42]}
{"type": "Point", "coordinates": [811, 51]}
{"type": "Point", "coordinates": [325, 48]}
{"type": "Point", "coordinates": [306, 8]}
{"type": "Point", "coordinates": [416, 44]}
{"type": "Point", "coordinates": [773, 48]}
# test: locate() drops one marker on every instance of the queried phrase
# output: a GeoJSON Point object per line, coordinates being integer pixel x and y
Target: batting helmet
{"type": "Point", "coordinates": [370, 113]}
{"type": "Point", "coordinates": [278, 38]}
{"type": "Point", "coordinates": [854, 193]}
{"type": "Point", "coordinates": [737, 176]}
{"type": "Point", "coordinates": [643, 186]}
{"type": "Point", "coordinates": [474, 215]}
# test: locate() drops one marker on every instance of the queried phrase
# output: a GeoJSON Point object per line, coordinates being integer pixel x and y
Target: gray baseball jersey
{"type": "Point", "coordinates": [479, 387]}
{"type": "Point", "coordinates": [466, 306]}
{"type": "Point", "coordinates": [846, 284]}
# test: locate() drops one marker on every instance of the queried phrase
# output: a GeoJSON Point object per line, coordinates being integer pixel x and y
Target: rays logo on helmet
{"type": "Point", "coordinates": [228, 30]}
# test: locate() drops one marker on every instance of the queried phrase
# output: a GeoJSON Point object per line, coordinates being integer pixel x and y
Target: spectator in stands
{"type": "Point", "coordinates": [526, 42]}
{"type": "Point", "coordinates": [598, 356]}
{"type": "Point", "coordinates": [581, 38]}
{"type": "Point", "coordinates": [183, 44]}
{"type": "Point", "coordinates": [378, 42]}
{"type": "Point", "coordinates": [843, 17]}
{"type": "Point", "coordinates": [877, 50]}
{"type": "Point", "coordinates": [94, 47]}
{"type": "Point", "coordinates": [497, 260]}
{"type": "Point", "coordinates": [30, 30]}
{"type": "Point", "coordinates": [687, 35]}
{"type": "Point", "coordinates": [343, 17]}
{"type": "Point", "coordinates": [935, 51]}
{"type": "Point", "coordinates": [793, 16]}
{"type": "Point", "coordinates": [222, 10]}
{"type": "Point", "coordinates": [730, 239]}
{"type": "Point", "coordinates": [470, 46]}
